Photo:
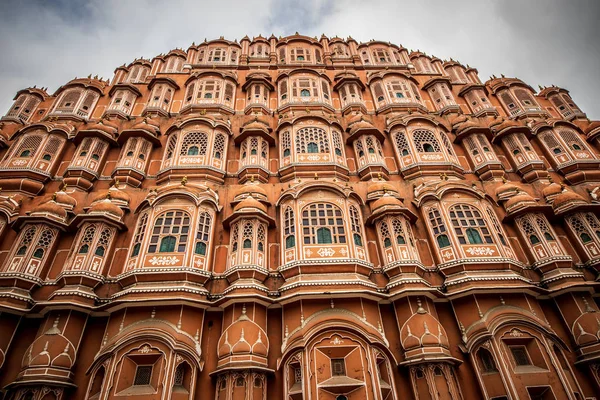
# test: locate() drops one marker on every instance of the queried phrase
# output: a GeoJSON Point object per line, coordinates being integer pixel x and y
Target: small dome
{"type": "Point", "coordinates": [256, 125]}
{"type": "Point", "coordinates": [51, 207]}
{"type": "Point", "coordinates": [106, 206]}
{"type": "Point", "coordinates": [62, 198]}
{"type": "Point", "coordinates": [520, 200]}
{"type": "Point", "coordinates": [251, 190]}
{"type": "Point", "coordinates": [506, 190]}
{"type": "Point", "coordinates": [456, 119]}
{"type": "Point", "coordinates": [147, 124]}
{"type": "Point", "coordinates": [244, 336]}
{"type": "Point", "coordinates": [386, 201]}
{"type": "Point", "coordinates": [422, 330]}
{"type": "Point", "coordinates": [103, 126]}
{"type": "Point", "coordinates": [551, 191]}
{"type": "Point", "coordinates": [509, 123]}
{"type": "Point", "coordinates": [567, 197]}
{"type": "Point", "coordinates": [467, 124]}
{"type": "Point", "coordinates": [114, 193]}
{"type": "Point", "coordinates": [250, 204]}
{"type": "Point", "coordinates": [381, 186]}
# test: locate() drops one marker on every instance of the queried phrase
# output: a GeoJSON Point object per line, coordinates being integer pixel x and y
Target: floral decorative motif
{"type": "Point", "coordinates": [480, 251]}
{"type": "Point", "coordinates": [164, 260]}
{"type": "Point", "coordinates": [326, 252]}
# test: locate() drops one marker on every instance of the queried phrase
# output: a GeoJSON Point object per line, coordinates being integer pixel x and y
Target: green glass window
{"type": "Point", "coordinates": [200, 248]}
{"type": "Point", "coordinates": [533, 239]}
{"type": "Point", "coordinates": [312, 148]}
{"type": "Point", "coordinates": [443, 241]}
{"type": "Point", "coordinates": [324, 236]}
{"type": "Point", "coordinates": [290, 241]}
{"type": "Point", "coordinates": [167, 244]}
{"type": "Point", "coordinates": [473, 236]}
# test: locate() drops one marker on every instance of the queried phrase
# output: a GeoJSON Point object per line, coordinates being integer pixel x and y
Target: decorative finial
{"type": "Point", "coordinates": [420, 309]}
{"type": "Point", "coordinates": [184, 180]}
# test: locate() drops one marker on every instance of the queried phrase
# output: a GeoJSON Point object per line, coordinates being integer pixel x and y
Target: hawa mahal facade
{"type": "Point", "coordinates": [303, 219]}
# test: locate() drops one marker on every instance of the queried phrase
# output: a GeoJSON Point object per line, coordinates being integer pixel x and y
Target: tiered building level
{"type": "Point", "coordinates": [299, 218]}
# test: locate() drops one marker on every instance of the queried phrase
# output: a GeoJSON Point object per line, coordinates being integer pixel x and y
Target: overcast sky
{"type": "Point", "coordinates": [47, 43]}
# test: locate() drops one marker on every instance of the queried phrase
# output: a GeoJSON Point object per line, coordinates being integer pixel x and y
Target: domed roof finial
{"type": "Point", "coordinates": [420, 309]}
{"type": "Point", "coordinates": [184, 180]}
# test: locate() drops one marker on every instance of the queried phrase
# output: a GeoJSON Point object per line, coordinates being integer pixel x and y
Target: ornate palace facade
{"type": "Point", "coordinates": [297, 218]}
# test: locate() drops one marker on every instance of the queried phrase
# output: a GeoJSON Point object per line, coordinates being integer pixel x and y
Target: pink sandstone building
{"type": "Point", "coordinates": [303, 219]}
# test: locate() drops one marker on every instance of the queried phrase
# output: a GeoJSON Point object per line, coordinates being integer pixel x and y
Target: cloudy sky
{"type": "Point", "coordinates": [47, 43]}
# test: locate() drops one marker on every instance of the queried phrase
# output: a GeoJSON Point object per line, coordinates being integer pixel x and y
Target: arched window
{"type": "Point", "coordinates": [486, 361]}
{"type": "Point", "coordinates": [586, 226]}
{"type": "Point", "coordinates": [337, 143]}
{"type": "Point", "coordinates": [219, 146]}
{"type": "Point", "coordinates": [139, 235]}
{"type": "Point", "coordinates": [286, 144]}
{"type": "Point", "coordinates": [260, 237]}
{"type": "Point", "coordinates": [356, 224]}
{"type": "Point", "coordinates": [247, 235]}
{"type": "Point", "coordinates": [533, 239]}
{"type": "Point", "coordinates": [203, 235]}
{"type": "Point", "coordinates": [323, 223]}
{"type": "Point", "coordinates": [305, 93]}
{"type": "Point", "coordinates": [310, 139]}
{"type": "Point", "coordinates": [33, 244]}
{"type": "Point", "coordinates": [87, 239]}
{"type": "Point", "coordinates": [469, 225]}
{"type": "Point", "coordinates": [289, 228]}
{"type": "Point", "coordinates": [438, 228]}
{"type": "Point", "coordinates": [425, 141]}
{"type": "Point", "coordinates": [537, 230]}
{"type": "Point", "coordinates": [170, 232]}
{"type": "Point", "coordinates": [443, 241]}
{"type": "Point", "coordinates": [194, 143]}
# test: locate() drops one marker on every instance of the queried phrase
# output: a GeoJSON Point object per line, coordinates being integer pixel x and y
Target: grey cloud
{"type": "Point", "coordinates": [540, 41]}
